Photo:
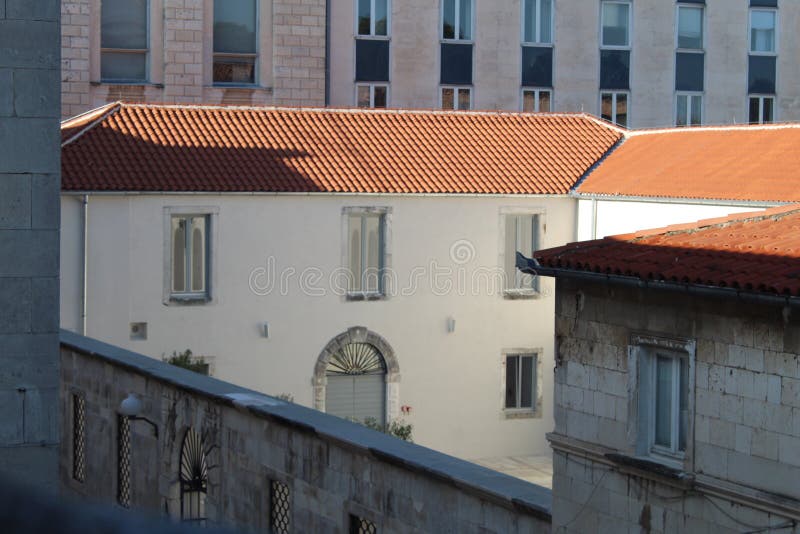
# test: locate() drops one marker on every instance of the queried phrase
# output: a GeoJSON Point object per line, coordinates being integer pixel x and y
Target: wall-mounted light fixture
{"type": "Point", "coordinates": [131, 407]}
{"type": "Point", "coordinates": [265, 330]}
{"type": "Point", "coordinates": [451, 325]}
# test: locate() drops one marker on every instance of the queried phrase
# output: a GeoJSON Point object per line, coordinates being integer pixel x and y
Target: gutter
{"type": "Point", "coordinates": [328, 53]}
{"type": "Point", "coordinates": [313, 194]}
{"type": "Point", "coordinates": [532, 267]}
{"type": "Point", "coordinates": [677, 200]}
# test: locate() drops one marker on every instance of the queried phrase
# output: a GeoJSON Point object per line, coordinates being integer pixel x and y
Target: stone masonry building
{"type": "Point", "coordinates": [643, 63]}
{"type": "Point", "coordinates": [677, 380]}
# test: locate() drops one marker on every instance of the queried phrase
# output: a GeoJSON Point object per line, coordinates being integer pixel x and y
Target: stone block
{"type": "Point", "coordinates": [764, 444]}
{"type": "Point", "coordinates": [743, 439]}
{"type": "Point", "coordinates": [15, 199]}
{"type": "Point", "coordinates": [21, 143]}
{"type": "Point", "coordinates": [702, 432]}
{"type": "Point", "coordinates": [29, 253]}
{"type": "Point", "coordinates": [37, 92]}
{"type": "Point", "coordinates": [722, 433]}
{"type": "Point", "coordinates": [711, 460]}
{"type": "Point", "coordinates": [21, 44]}
{"type": "Point", "coordinates": [764, 474]}
{"type": "Point", "coordinates": [790, 392]}
{"type": "Point", "coordinates": [11, 427]}
{"type": "Point", "coordinates": [773, 389]}
{"type": "Point", "coordinates": [708, 403]}
{"type": "Point", "coordinates": [753, 413]}
{"type": "Point", "coordinates": [789, 450]}
{"type": "Point", "coordinates": [15, 313]}
{"type": "Point", "coordinates": [781, 363]}
{"type": "Point", "coordinates": [45, 202]}
{"type": "Point", "coordinates": [6, 91]}
{"type": "Point", "coordinates": [44, 305]}
{"type": "Point", "coordinates": [33, 9]}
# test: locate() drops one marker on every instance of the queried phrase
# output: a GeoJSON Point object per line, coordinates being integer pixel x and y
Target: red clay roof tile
{"type": "Point", "coordinates": [749, 163]}
{"type": "Point", "coordinates": [757, 251]}
{"type": "Point", "coordinates": [131, 147]}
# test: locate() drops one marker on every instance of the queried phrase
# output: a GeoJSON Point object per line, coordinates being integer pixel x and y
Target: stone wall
{"type": "Point", "coordinates": [334, 470]}
{"type": "Point", "coordinates": [29, 221]}
{"type": "Point", "coordinates": [743, 459]}
{"type": "Point", "coordinates": [180, 57]}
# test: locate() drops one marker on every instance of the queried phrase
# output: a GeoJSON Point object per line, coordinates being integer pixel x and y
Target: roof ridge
{"type": "Point", "coordinates": [91, 118]}
{"type": "Point", "coordinates": [774, 214]}
{"type": "Point", "coordinates": [714, 128]}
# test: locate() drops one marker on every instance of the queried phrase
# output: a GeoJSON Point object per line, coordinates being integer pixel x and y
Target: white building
{"type": "Point", "coordinates": [294, 214]}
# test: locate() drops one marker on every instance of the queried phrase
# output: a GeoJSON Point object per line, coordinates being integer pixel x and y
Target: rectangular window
{"type": "Point", "coordinates": [372, 95]}
{"type": "Point", "coordinates": [235, 41]}
{"type": "Point", "coordinates": [520, 390]}
{"type": "Point", "coordinates": [614, 108]}
{"type": "Point", "coordinates": [456, 98]}
{"type": "Point", "coordinates": [762, 31]}
{"type": "Point", "coordinates": [457, 20]}
{"type": "Point", "coordinates": [664, 400]}
{"type": "Point", "coordinates": [79, 437]}
{"type": "Point", "coordinates": [366, 251]}
{"type": "Point", "coordinates": [537, 21]}
{"type": "Point", "coordinates": [373, 18]}
{"type": "Point", "coordinates": [124, 41]}
{"type": "Point", "coordinates": [616, 23]}
{"type": "Point", "coordinates": [689, 110]}
{"type": "Point", "coordinates": [189, 257]}
{"type": "Point", "coordinates": [521, 237]}
{"type": "Point", "coordinates": [690, 27]}
{"type": "Point", "coordinates": [762, 109]}
{"type": "Point", "coordinates": [536, 100]}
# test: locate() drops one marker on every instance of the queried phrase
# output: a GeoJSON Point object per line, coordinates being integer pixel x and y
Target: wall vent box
{"type": "Point", "coordinates": [138, 331]}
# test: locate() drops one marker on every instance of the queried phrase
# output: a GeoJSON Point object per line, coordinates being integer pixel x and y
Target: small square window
{"type": "Point", "coordinates": [456, 98]}
{"type": "Point", "coordinates": [614, 108]}
{"type": "Point", "coordinates": [520, 382]}
{"type": "Point", "coordinates": [690, 27]}
{"type": "Point", "coordinates": [615, 31]}
{"type": "Point", "coordinates": [763, 23]}
{"type": "Point", "coordinates": [189, 258]}
{"type": "Point", "coordinates": [372, 95]}
{"type": "Point", "coordinates": [762, 109]}
{"type": "Point", "coordinates": [373, 18]}
{"type": "Point", "coordinates": [366, 250]}
{"type": "Point", "coordinates": [536, 100]}
{"type": "Point", "coordinates": [522, 236]}
{"type": "Point", "coordinates": [689, 110]}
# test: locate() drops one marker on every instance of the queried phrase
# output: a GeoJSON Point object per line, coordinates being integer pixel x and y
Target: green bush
{"type": "Point", "coordinates": [397, 428]}
{"type": "Point", "coordinates": [185, 360]}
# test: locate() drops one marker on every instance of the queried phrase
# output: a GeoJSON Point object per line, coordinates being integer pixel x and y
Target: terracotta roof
{"type": "Point", "coordinates": [131, 147]}
{"type": "Point", "coordinates": [753, 252]}
{"type": "Point", "coordinates": [748, 163]}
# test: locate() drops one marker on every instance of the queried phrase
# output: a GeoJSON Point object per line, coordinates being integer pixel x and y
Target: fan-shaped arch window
{"type": "Point", "coordinates": [193, 478]}
{"type": "Point", "coordinates": [356, 387]}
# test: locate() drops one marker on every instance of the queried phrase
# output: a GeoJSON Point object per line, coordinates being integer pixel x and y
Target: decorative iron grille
{"type": "Point", "coordinates": [359, 525]}
{"type": "Point", "coordinates": [356, 359]}
{"type": "Point", "coordinates": [281, 506]}
{"type": "Point", "coordinates": [78, 437]}
{"type": "Point", "coordinates": [194, 478]}
{"type": "Point", "coordinates": [124, 461]}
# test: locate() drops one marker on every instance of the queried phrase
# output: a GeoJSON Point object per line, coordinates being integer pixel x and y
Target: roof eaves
{"type": "Point", "coordinates": [91, 118]}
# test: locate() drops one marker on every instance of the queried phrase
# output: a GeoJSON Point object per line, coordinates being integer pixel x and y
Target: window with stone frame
{"type": "Point", "coordinates": [124, 37]}
{"type": "Point", "coordinates": [365, 244]}
{"type": "Point", "coordinates": [235, 42]}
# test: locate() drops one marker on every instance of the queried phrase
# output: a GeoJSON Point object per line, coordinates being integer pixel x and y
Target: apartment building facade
{"type": "Point", "coordinates": [638, 63]}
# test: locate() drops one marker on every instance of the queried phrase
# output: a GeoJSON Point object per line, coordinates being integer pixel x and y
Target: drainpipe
{"type": "Point", "coordinates": [328, 53]}
{"type": "Point", "coordinates": [85, 262]}
{"type": "Point", "coordinates": [594, 218]}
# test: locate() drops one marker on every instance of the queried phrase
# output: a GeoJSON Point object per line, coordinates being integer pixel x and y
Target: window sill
{"type": "Point", "coordinates": [457, 41]}
{"type": "Point", "coordinates": [521, 294]}
{"type": "Point", "coordinates": [127, 83]}
{"type": "Point", "coordinates": [537, 45]}
{"type": "Point", "coordinates": [524, 413]}
{"type": "Point", "coordinates": [359, 297]}
{"type": "Point", "coordinates": [374, 37]}
{"type": "Point", "coordinates": [188, 300]}
{"type": "Point", "coordinates": [652, 466]}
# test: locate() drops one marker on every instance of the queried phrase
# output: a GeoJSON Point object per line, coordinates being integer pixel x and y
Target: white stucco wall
{"type": "Point", "coordinates": [619, 217]}
{"type": "Point", "coordinates": [452, 381]}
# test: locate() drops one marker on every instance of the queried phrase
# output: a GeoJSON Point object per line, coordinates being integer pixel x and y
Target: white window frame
{"type": "Point", "coordinates": [538, 38]}
{"type": "Point", "coordinates": [626, 46]}
{"type": "Point", "coordinates": [761, 98]}
{"type": "Point", "coordinates": [696, 7]}
{"type": "Point", "coordinates": [517, 412]}
{"type": "Point", "coordinates": [145, 51]}
{"type": "Point", "coordinates": [689, 95]}
{"type": "Point", "coordinates": [518, 290]}
{"type": "Point", "coordinates": [457, 26]}
{"type": "Point", "coordinates": [372, 87]}
{"type": "Point", "coordinates": [384, 283]}
{"type": "Point", "coordinates": [211, 213]}
{"type": "Point", "coordinates": [615, 94]}
{"type": "Point", "coordinates": [456, 89]}
{"type": "Point", "coordinates": [256, 55]}
{"type": "Point", "coordinates": [371, 34]}
{"type": "Point", "coordinates": [536, 95]}
{"type": "Point", "coordinates": [752, 52]}
{"type": "Point", "coordinates": [642, 353]}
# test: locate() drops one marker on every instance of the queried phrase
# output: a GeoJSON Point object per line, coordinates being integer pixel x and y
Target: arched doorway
{"type": "Point", "coordinates": [357, 377]}
{"type": "Point", "coordinates": [193, 478]}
